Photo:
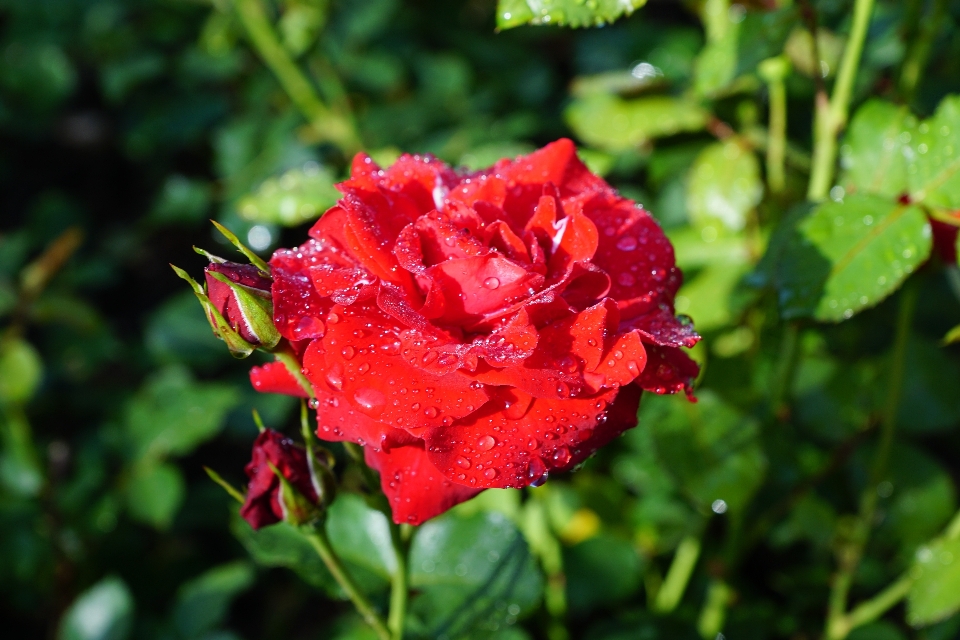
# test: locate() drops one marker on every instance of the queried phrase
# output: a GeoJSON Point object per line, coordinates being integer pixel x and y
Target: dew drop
{"type": "Point", "coordinates": [431, 412]}
{"type": "Point", "coordinates": [429, 357]}
{"type": "Point", "coordinates": [486, 443]}
{"type": "Point", "coordinates": [370, 400]}
{"type": "Point", "coordinates": [627, 243]}
{"type": "Point", "coordinates": [490, 474]}
{"type": "Point", "coordinates": [348, 353]}
{"type": "Point", "coordinates": [363, 368]}
{"type": "Point", "coordinates": [561, 456]}
{"type": "Point", "coordinates": [491, 283]}
{"type": "Point", "coordinates": [463, 463]}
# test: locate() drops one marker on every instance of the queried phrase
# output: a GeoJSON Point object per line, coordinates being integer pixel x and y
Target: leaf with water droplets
{"type": "Point", "coordinates": [935, 594]}
{"type": "Point", "coordinates": [299, 195]}
{"type": "Point", "coordinates": [471, 573]}
{"type": "Point", "coordinates": [847, 256]}
{"type": "Point", "coordinates": [934, 157]}
{"type": "Point", "coordinates": [614, 124]}
{"type": "Point", "coordinates": [564, 13]}
{"type": "Point", "coordinates": [872, 155]}
{"type": "Point", "coordinates": [724, 186]}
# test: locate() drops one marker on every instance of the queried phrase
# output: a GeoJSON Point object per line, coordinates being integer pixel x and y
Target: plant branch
{"type": "Point", "coordinates": [850, 555]}
{"type": "Point", "coordinates": [398, 586]}
{"type": "Point", "coordinates": [284, 353]}
{"type": "Point", "coordinates": [678, 576]}
{"type": "Point", "coordinates": [317, 537]}
{"type": "Point", "coordinates": [919, 52]}
{"type": "Point", "coordinates": [329, 125]}
{"type": "Point", "coordinates": [831, 116]}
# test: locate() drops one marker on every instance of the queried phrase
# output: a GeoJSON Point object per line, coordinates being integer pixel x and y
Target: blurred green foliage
{"type": "Point", "coordinates": [124, 126]}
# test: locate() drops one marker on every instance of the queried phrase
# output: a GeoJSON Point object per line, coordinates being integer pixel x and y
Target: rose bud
{"type": "Point", "coordinates": [286, 483]}
{"type": "Point", "coordinates": [479, 330]}
{"type": "Point", "coordinates": [238, 304]}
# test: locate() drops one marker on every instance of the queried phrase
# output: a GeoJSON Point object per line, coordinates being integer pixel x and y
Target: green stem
{"type": "Point", "coordinates": [919, 52]}
{"type": "Point", "coordinates": [774, 71]}
{"type": "Point", "coordinates": [398, 587]}
{"type": "Point", "coordinates": [786, 367]}
{"type": "Point", "coordinates": [684, 561]}
{"type": "Point", "coordinates": [714, 612]}
{"type": "Point", "coordinates": [831, 116]}
{"type": "Point", "coordinates": [285, 354]}
{"type": "Point", "coordinates": [317, 537]}
{"type": "Point", "coordinates": [328, 124]}
{"type": "Point", "coordinates": [837, 622]}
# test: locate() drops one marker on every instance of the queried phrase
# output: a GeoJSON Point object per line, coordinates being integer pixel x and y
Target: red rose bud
{"type": "Point", "coordinates": [282, 486]}
{"type": "Point", "coordinates": [241, 293]}
{"type": "Point", "coordinates": [478, 330]}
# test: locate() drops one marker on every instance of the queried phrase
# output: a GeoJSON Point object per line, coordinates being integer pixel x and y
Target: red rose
{"type": "Point", "coordinates": [265, 505]}
{"type": "Point", "coordinates": [477, 330]}
{"type": "Point", "coordinates": [229, 286]}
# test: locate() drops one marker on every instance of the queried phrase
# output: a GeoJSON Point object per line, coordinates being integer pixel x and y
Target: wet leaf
{"type": "Point", "coordinates": [298, 196]}
{"type": "Point", "coordinates": [872, 155]}
{"type": "Point", "coordinates": [848, 256]}
{"type": "Point", "coordinates": [102, 612]}
{"type": "Point", "coordinates": [281, 545]}
{"type": "Point", "coordinates": [475, 576]}
{"type": "Point", "coordinates": [934, 155]}
{"type": "Point", "coordinates": [565, 13]}
{"type": "Point", "coordinates": [614, 124]}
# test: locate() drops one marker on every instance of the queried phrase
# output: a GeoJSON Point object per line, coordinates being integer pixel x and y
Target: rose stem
{"type": "Point", "coordinates": [317, 536]}
{"type": "Point", "coordinates": [838, 626]}
{"type": "Point", "coordinates": [331, 126]}
{"type": "Point", "coordinates": [831, 116]}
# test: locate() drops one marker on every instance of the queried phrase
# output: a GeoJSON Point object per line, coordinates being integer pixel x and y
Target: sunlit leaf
{"type": "Point", "coordinates": [934, 155]}
{"type": "Point", "coordinates": [568, 13]}
{"type": "Point", "coordinates": [298, 196]}
{"type": "Point", "coordinates": [20, 371]}
{"type": "Point", "coordinates": [872, 155]}
{"type": "Point", "coordinates": [614, 124]}
{"type": "Point", "coordinates": [724, 186]}
{"type": "Point", "coordinates": [935, 594]}
{"type": "Point", "coordinates": [847, 256]}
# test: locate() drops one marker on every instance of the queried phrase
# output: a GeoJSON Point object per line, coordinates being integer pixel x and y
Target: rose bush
{"type": "Point", "coordinates": [477, 330]}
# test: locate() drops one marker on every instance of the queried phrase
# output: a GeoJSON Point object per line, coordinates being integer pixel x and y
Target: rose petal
{"type": "Point", "coordinates": [668, 370]}
{"type": "Point", "coordinates": [489, 449]}
{"type": "Point", "coordinates": [274, 377]}
{"type": "Point", "coordinates": [477, 286]}
{"type": "Point", "coordinates": [415, 488]}
{"type": "Point", "coordinates": [361, 359]}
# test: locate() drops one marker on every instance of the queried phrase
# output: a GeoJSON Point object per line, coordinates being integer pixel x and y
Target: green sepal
{"type": "Point", "coordinates": [297, 508]}
{"type": "Point", "coordinates": [257, 309]}
{"type": "Point", "coordinates": [254, 259]}
{"type": "Point", "coordinates": [320, 461]}
{"type": "Point", "coordinates": [239, 348]}
{"type": "Point", "coordinates": [209, 256]}
{"type": "Point", "coordinates": [229, 488]}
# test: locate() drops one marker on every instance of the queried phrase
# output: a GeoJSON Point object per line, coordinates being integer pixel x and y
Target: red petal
{"type": "Point", "coordinates": [360, 358]}
{"type": "Point", "coordinates": [274, 377]}
{"type": "Point", "coordinates": [497, 448]}
{"type": "Point", "coordinates": [474, 287]}
{"type": "Point", "coordinates": [668, 370]}
{"type": "Point", "coordinates": [622, 362]}
{"type": "Point", "coordinates": [417, 491]}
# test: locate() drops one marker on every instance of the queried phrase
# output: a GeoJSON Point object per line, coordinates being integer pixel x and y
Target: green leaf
{"type": "Point", "coordinates": [707, 297]}
{"type": "Point", "coordinates": [872, 155]}
{"type": "Point", "coordinates": [923, 498]}
{"type": "Point", "coordinates": [601, 571]}
{"type": "Point", "coordinates": [881, 630]}
{"type": "Point", "coordinates": [613, 124]}
{"type": "Point", "coordinates": [934, 155]}
{"type": "Point", "coordinates": [935, 594]}
{"type": "Point", "coordinates": [709, 447]}
{"type": "Point", "coordinates": [565, 13]}
{"type": "Point", "coordinates": [281, 545]}
{"type": "Point", "coordinates": [361, 536]}
{"type": "Point", "coordinates": [181, 200]}
{"type": "Point", "coordinates": [102, 612]}
{"type": "Point", "coordinates": [298, 196]}
{"type": "Point", "coordinates": [475, 575]}
{"type": "Point", "coordinates": [203, 603]}
{"type": "Point", "coordinates": [20, 371]}
{"type": "Point", "coordinates": [173, 414]}
{"type": "Point", "coordinates": [763, 35]}
{"type": "Point", "coordinates": [847, 256]}
{"type": "Point", "coordinates": [928, 404]}
{"type": "Point", "coordinates": [724, 186]}
{"type": "Point", "coordinates": [155, 492]}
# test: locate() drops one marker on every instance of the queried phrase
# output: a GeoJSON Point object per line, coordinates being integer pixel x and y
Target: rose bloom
{"type": "Point", "coordinates": [478, 330]}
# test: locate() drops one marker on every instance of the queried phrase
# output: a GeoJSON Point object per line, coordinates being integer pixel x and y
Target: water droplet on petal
{"type": "Point", "coordinates": [490, 474]}
{"type": "Point", "coordinates": [369, 400]}
{"type": "Point", "coordinates": [363, 368]}
{"type": "Point", "coordinates": [429, 357]}
{"type": "Point", "coordinates": [486, 443]}
{"type": "Point", "coordinates": [491, 283]}
{"type": "Point", "coordinates": [537, 472]}
{"type": "Point", "coordinates": [627, 243]}
{"type": "Point", "coordinates": [463, 463]}
{"type": "Point", "coordinates": [348, 353]}
{"type": "Point", "coordinates": [561, 456]}
{"type": "Point", "coordinates": [431, 412]}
